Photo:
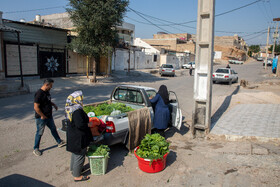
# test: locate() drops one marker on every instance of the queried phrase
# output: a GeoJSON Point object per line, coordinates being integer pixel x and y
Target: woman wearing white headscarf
{"type": "Point", "coordinates": [78, 134]}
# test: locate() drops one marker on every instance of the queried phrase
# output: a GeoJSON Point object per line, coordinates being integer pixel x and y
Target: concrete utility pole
{"type": "Point", "coordinates": [267, 40]}
{"type": "Point", "coordinates": [278, 62]}
{"type": "Point", "coordinates": [275, 36]}
{"type": "Point", "coordinates": [201, 117]}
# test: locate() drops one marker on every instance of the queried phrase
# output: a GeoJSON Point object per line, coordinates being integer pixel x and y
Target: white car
{"type": "Point", "coordinates": [269, 62]}
{"type": "Point", "coordinates": [236, 62]}
{"type": "Point", "coordinates": [259, 59]}
{"type": "Point", "coordinates": [225, 75]}
{"type": "Point", "coordinates": [188, 65]}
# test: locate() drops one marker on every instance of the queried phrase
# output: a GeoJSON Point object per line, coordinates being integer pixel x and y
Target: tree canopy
{"type": "Point", "coordinates": [254, 48]}
{"type": "Point", "coordinates": [95, 22]}
{"type": "Point", "coordinates": [277, 48]}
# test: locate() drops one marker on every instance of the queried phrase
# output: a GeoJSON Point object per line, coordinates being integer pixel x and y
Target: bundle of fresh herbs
{"type": "Point", "coordinates": [107, 109]}
{"type": "Point", "coordinates": [98, 150]}
{"type": "Point", "coordinates": [153, 147]}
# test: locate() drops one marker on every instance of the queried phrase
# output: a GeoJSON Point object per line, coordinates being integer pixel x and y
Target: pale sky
{"type": "Point", "coordinates": [250, 22]}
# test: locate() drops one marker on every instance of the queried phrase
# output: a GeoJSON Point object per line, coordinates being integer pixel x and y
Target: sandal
{"type": "Point", "coordinates": [84, 178]}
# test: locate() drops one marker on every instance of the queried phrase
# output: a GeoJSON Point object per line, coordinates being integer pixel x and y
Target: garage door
{"type": "Point", "coordinates": [28, 57]}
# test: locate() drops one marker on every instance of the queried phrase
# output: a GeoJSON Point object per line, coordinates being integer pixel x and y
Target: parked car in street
{"type": "Point", "coordinates": [225, 75]}
{"type": "Point", "coordinates": [269, 62]}
{"type": "Point", "coordinates": [236, 62]}
{"type": "Point", "coordinates": [167, 69]}
{"type": "Point", "coordinates": [188, 65]}
{"type": "Point", "coordinates": [259, 59]}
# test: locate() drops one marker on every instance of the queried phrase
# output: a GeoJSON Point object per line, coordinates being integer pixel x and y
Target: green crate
{"type": "Point", "coordinates": [98, 164]}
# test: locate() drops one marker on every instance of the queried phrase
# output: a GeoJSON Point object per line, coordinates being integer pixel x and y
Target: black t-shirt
{"type": "Point", "coordinates": [44, 99]}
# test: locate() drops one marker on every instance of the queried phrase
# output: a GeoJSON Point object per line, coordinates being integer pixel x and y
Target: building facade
{"type": "Point", "coordinates": [43, 50]}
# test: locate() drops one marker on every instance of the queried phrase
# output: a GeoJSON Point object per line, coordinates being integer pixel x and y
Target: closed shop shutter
{"type": "Point", "coordinates": [28, 57]}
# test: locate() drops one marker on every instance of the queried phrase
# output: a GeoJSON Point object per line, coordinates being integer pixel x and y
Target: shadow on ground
{"type": "Point", "coordinates": [16, 180]}
{"type": "Point", "coordinates": [217, 115]}
{"type": "Point", "coordinates": [135, 76]}
{"type": "Point", "coordinates": [172, 157]}
{"type": "Point", "coordinates": [172, 130]}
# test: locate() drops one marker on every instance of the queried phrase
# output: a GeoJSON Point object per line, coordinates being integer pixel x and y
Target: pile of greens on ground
{"type": "Point", "coordinates": [98, 150]}
{"type": "Point", "coordinates": [153, 147]}
{"type": "Point", "coordinates": [107, 109]}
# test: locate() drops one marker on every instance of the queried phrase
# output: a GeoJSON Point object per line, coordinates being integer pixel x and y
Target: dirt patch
{"type": "Point", "coordinates": [215, 146]}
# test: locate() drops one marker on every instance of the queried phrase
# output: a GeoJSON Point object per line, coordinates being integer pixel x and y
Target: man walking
{"type": "Point", "coordinates": [190, 71]}
{"type": "Point", "coordinates": [43, 115]}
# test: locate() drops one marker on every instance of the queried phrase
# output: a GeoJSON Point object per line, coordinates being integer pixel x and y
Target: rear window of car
{"type": "Point", "coordinates": [222, 71]}
{"type": "Point", "coordinates": [167, 66]}
{"type": "Point", "coordinates": [128, 95]}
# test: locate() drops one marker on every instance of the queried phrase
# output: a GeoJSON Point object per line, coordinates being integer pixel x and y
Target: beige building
{"type": "Point", "coordinates": [226, 47]}
{"type": "Point", "coordinates": [173, 42]}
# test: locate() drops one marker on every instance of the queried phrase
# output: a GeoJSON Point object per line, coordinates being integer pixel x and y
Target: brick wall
{"type": "Point", "coordinates": [186, 47]}
{"type": "Point", "coordinates": [166, 36]}
{"type": "Point", "coordinates": [164, 43]}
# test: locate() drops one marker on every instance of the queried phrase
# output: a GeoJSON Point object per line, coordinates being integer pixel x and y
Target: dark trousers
{"type": "Point", "coordinates": [190, 72]}
{"type": "Point", "coordinates": [77, 163]}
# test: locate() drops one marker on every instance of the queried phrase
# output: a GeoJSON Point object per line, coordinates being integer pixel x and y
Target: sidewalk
{"type": "Point", "coordinates": [251, 122]}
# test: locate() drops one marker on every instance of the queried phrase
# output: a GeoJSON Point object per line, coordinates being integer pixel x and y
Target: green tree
{"type": "Point", "coordinates": [277, 48]}
{"type": "Point", "coordinates": [254, 48]}
{"type": "Point", "coordinates": [95, 22]}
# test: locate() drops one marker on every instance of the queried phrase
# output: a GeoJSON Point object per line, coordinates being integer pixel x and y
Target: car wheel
{"type": "Point", "coordinates": [214, 82]}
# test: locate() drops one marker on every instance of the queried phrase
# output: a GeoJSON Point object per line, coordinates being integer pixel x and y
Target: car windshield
{"type": "Point", "coordinates": [167, 66]}
{"type": "Point", "coordinates": [222, 71]}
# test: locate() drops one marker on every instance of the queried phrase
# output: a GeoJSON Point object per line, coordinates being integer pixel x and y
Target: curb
{"type": "Point", "coordinates": [275, 141]}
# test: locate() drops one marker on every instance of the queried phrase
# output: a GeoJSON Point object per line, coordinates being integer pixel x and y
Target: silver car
{"type": "Point", "coordinates": [225, 75]}
{"type": "Point", "coordinates": [167, 69]}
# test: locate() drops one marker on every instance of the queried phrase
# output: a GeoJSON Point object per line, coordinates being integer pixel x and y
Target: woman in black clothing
{"type": "Point", "coordinates": [78, 134]}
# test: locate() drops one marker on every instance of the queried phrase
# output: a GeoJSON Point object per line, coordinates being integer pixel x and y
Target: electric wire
{"type": "Point", "coordinates": [217, 15]}
{"type": "Point", "coordinates": [254, 37]}
{"type": "Point", "coordinates": [271, 8]}
{"type": "Point", "coordinates": [182, 24]}
{"type": "Point", "coordinates": [237, 8]}
{"type": "Point", "coordinates": [264, 15]}
{"type": "Point", "coordinates": [20, 11]}
{"type": "Point", "coordinates": [149, 21]}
